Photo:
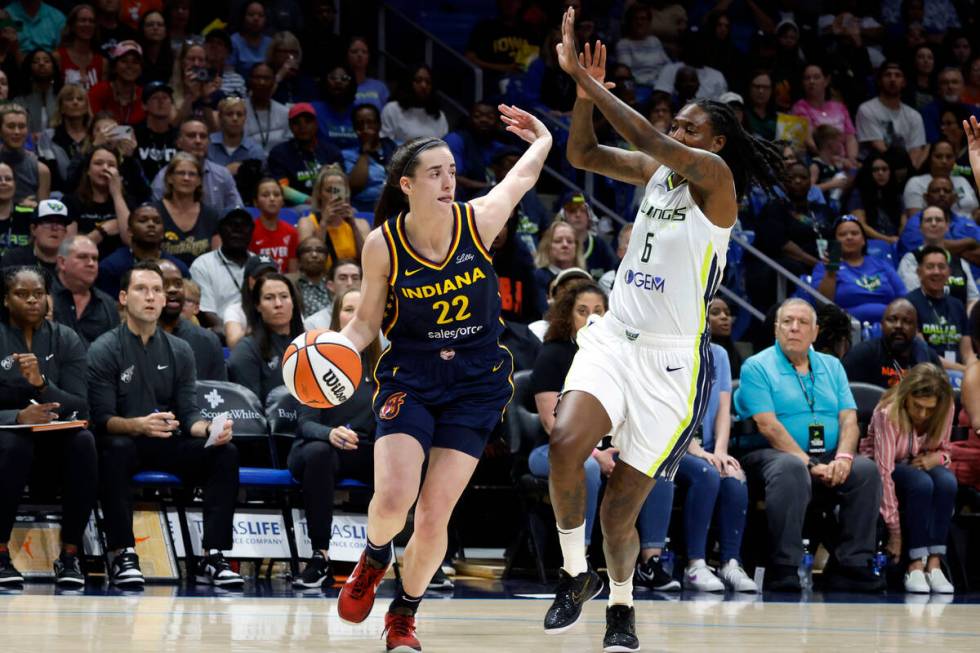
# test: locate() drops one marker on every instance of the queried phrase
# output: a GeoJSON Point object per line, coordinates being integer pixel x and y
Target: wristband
{"type": "Point", "coordinates": [844, 456]}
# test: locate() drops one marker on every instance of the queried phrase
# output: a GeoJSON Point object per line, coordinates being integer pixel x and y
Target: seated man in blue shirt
{"type": "Point", "coordinates": [801, 402]}
{"type": "Point", "coordinates": [942, 318]}
{"type": "Point", "coordinates": [963, 235]}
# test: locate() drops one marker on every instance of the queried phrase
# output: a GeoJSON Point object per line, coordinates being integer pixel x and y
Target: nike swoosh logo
{"type": "Point", "coordinates": [409, 273]}
{"type": "Point", "coordinates": [498, 366]}
{"type": "Point", "coordinates": [674, 369]}
{"type": "Point", "coordinates": [49, 357]}
{"type": "Point", "coordinates": [162, 367]}
{"type": "Point", "coordinates": [583, 595]}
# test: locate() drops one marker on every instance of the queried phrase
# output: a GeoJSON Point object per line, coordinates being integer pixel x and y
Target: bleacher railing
{"type": "Point", "coordinates": [405, 42]}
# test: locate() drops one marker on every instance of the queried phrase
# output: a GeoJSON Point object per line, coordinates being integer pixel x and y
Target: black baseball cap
{"type": "Point", "coordinates": [156, 86]}
{"type": "Point", "coordinates": [236, 212]}
{"type": "Point", "coordinates": [255, 265]}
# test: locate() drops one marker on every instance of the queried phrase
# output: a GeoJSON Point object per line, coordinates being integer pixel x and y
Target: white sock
{"type": "Point", "coordinates": [573, 550]}
{"type": "Point", "coordinates": [621, 593]}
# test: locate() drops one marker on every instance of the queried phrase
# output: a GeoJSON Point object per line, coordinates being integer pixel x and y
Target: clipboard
{"type": "Point", "coordinates": [50, 426]}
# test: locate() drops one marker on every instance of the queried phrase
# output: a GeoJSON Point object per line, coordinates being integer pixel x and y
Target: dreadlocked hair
{"type": "Point", "coordinates": [403, 163]}
{"type": "Point", "coordinates": [749, 157]}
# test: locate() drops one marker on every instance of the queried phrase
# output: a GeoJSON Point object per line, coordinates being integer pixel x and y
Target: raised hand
{"type": "Point", "coordinates": [594, 63]}
{"type": "Point", "coordinates": [567, 51]}
{"type": "Point", "coordinates": [522, 124]}
{"type": "Point", "coordinates": [972, 129]}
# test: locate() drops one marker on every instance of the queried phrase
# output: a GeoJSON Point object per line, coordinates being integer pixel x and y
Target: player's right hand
{"type": "Point", "coordinates": [594, 62]}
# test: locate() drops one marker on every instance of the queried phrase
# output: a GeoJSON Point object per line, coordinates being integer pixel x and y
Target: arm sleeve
{"type": "Point", "coordinates": [103, 375]}
{"type": "Point", "coordinates": [754, 394]}
{"type": "Point", "coordinates": [71, 392]}
{"type": "Point", "coordinates": [819, 271]}
{"type": "Point", "coordinates": [277, 167]}
{"type": "Point", "coordinates": [188, 412]}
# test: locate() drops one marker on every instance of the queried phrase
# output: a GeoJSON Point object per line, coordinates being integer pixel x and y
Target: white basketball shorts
{"type": "Point", "coordinates": [653, 387]}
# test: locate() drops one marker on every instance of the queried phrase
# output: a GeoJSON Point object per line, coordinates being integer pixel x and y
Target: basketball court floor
{"type": "Point", "coordinates": [479, 615]}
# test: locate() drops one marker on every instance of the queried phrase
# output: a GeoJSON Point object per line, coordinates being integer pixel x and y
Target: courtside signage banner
{"type": "Point", "coordinates": [256, 534]}
{"type": "Point", "coordinates": [347, 539]}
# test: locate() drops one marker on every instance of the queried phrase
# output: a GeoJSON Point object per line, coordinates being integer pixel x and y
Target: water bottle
{"type": "Point", "coordinates": [806, 567]}
{"type": "Point", "coordinates": [667, 559]}
{"type": "Point", "coordinates": [879, 561]}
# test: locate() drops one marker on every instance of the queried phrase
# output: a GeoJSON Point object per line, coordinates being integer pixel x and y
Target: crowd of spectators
{"type": "Point", "coordinates": [179, 178]}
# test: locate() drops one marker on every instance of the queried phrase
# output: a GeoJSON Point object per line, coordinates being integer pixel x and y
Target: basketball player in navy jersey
{"type": "Point", "coordinates": [445, 380]}
{"type": "Point", "coordinates": [642, 371]}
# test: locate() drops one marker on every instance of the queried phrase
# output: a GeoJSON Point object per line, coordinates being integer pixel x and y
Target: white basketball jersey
{"type": "Point", "coordinates": [674, 262]}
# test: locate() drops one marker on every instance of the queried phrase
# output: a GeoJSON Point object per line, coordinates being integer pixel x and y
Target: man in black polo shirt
{"type": "Point", "coordinates": [78, 304]}
{"type": "Point", "coordinates": [883, 361]}
{"type": "Point", "coordinates": [141, 385]}
{"type": "Point", "coordinates": [941, 318]}
{"type": "Point", "coordinates": [207, 350]}
{"type": "Point", "coordinates": [298, 160]}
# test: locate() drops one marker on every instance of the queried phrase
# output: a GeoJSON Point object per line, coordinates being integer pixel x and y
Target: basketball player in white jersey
{"type": "Point", "coordinates": [643, 371]}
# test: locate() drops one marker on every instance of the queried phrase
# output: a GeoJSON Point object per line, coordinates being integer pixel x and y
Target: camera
{"type": "Point", "coordinates": [201, 74]}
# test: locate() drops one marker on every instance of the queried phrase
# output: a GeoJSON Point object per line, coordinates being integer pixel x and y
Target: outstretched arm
{"type": "Point", "coordinates": [493, 209]}
{"type": "Point", "coordinates": [707, 172]}
{"type": "Point", "coordinates": [584, 151]}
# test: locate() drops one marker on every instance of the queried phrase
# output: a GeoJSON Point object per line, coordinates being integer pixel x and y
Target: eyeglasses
{"type": "Point", "coordinates": [879, 169]}
{"type": "Point", "coordinates": [339, 78]}
{"type": "Point", "coordinates": [313, 250]}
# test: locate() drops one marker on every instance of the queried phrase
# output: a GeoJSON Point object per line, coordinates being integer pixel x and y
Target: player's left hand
{"type": "Point", "coordinates": [522, 124]}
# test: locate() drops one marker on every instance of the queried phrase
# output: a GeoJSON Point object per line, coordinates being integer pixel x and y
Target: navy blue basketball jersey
{"type": "Point", "coordinates": [451, 304]}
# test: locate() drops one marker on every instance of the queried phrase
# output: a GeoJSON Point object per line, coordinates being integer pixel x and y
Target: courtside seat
{"type": "Point", "coordinates": [266, 477]}
{"type": "Point", "coordinates": [157, 479]}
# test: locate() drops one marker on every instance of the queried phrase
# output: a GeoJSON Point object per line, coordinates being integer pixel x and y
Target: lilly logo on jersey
{"type": "Point", "coordinates": [645, 281]}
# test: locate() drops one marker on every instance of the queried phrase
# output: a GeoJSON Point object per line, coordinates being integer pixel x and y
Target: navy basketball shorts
{"type": "Point", "coordinates": [451, 398]}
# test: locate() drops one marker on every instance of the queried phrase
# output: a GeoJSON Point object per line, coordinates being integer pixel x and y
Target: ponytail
{"type": "Point", "coordinates": [403, 164]}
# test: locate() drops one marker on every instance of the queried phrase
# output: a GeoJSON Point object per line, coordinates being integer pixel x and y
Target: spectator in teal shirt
{"type": "Point", "coordinates": [801, 403]}
{"type": "Point", "coordinates": [41, 25]}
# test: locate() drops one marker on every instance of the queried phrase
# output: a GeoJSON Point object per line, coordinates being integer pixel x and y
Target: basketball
{"type": "Point", "coordinates": [321, 368]}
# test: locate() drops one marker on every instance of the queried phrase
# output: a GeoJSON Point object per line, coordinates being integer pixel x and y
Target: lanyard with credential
{"type": "Point", "coordinates": [810, 401]}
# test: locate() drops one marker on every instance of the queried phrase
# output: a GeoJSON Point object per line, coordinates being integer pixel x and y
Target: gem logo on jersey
{"type": "Point", "coordinates": [645, 281]}
{"type": "Point", "coordinates": [393, 404]}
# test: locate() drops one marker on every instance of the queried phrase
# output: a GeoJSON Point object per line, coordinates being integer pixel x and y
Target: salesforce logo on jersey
{"type": "Point", "coordinates": [645, 281]}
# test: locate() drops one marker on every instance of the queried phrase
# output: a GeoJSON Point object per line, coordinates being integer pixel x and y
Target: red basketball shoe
{"type": "Point", "coordinates": [400, 634]}
{"type": "Point", "coordinates": [357, 595]}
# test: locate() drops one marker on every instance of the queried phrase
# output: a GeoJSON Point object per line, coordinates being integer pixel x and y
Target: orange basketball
{"type": "Point", "coordinates": [321, 368]}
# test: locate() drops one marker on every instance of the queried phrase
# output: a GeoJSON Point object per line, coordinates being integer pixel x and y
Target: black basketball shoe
{"type": "Point", "coordinates": [651, 575]}
{"type": "Point", "coordinates": [317, 572]}
{"type": "Point", "coordinates": [125, 571]}
{"type": "Point", "coordinates": [570, 595]}
{"type": "Point", "coordinates": [620, 630]}
{"type": "Point", "coordinates": [68, 572]}
{"type": "Point", "coordinates": [9, 576]}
